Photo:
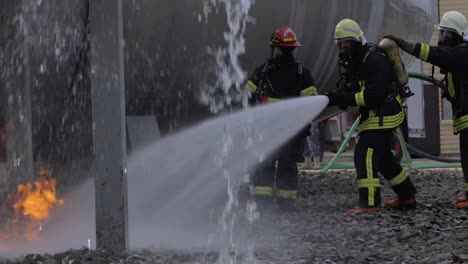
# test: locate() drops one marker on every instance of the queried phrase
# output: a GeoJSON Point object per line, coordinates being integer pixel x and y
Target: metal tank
{"type": "Point", "coordinates": [167, 42]}
{"type": "Point", "coordinates": [45, 102]}
{"type": "Point", "coordinates": [45, 86]}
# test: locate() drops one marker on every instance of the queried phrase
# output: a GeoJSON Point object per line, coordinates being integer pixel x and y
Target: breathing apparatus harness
{"type": "Point", "coordinates": [350, 84]}
{"type": "Point", "coordinates": [264, 83]}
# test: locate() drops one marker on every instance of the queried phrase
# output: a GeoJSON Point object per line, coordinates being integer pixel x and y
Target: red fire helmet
{"type": "Point", "coordinates": [284, 37]}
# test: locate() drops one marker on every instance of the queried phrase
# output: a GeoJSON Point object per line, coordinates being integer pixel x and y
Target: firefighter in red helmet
{"type": "Point", "coordinates": [280, 77]}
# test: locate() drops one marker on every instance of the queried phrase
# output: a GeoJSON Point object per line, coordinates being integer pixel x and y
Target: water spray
{"type": "Point", "coordinates": [230, 76]}
{"type": "Point", "coordinates": [228, 90]}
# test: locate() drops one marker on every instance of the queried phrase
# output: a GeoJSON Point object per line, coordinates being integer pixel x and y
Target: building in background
{"type": "Point", "coordinates": [449, 143]}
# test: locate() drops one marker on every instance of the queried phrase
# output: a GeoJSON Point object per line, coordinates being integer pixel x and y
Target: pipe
{"type": "Point", "coordinates": [424, 77]}
{"type": "Point", "coordinates": [419, 165]}
{"type": "Point", "coordinates": [431, 157]}
{"type": "Point", "coordinates": [403, 147]}
{"type": "Point", "coordinates": [343, 145]}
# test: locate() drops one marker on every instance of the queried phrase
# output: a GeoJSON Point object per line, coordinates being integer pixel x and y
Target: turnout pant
{"type": "Point", "coordinates": [464, 156]}
{"type": "Point", "coordinates": [373, 154]}
{"type": "Point", "coordinates": [281, 166]}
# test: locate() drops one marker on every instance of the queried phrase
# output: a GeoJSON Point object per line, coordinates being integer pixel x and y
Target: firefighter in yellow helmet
{"type": "Point", "coordinates": [369, 82]}
{"type": "Point", "coordinates": [451, 55]}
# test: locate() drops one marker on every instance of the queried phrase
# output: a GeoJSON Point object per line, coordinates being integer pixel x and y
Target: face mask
{"type": "Point", "coordinates": [345, 58]}
{"type": "Point", "coordinates": [349, 56]}
{"type": "Point", "coordinates": [286, 56]}
{"type": "Point", "coordinates": [448, 40]}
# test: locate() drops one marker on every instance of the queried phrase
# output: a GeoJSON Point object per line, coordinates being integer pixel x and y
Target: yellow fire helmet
{"type": "Point", "coordinates": [348, 29]}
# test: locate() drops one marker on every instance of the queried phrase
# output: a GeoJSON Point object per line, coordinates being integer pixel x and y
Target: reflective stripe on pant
{"type": "Point", "coordinates": [263, 191]}
{"type": "Point", "coordinates": [373, 154]}
{"type": "Point", "coordinates": [369, 182]}
{"type": "Point", "coordinates": [400, 178]}
{"type": "Point", "coordinates": [286, 176]}
{"type": "Point", "coordinates": [464, 156]}
{"type": "Point", "coordinates": [287, 194]}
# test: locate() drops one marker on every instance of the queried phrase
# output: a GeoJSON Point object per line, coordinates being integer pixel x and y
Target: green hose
{"type": "Point", "coordinates": [420, 165]}
{"type": "Point", "coordinates": [424, 77]}
{"type": "Point", "coordinates": [343, 145]}
{"type": "Point", "coordinates": [403, 148]}
{"type": "Point", "coordinates": [409, 164]}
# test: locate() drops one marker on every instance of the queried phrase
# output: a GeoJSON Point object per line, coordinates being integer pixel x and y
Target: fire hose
{"type": "Point", "coordinates": [454, 163]}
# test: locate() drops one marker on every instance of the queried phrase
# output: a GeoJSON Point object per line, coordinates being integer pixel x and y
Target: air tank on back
{"type": "Point", "coordinates": [167, 44]}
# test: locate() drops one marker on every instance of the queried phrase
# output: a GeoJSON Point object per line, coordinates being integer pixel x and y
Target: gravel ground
{"type": "Point", "coordinates": [321, 232]}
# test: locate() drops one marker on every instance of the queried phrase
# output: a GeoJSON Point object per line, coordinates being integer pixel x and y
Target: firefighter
{"type": "Point", "coordinates": [280, 77]}
{"type": "Point", "coordinates": [451, 55]}
{"type": "Point", "coordinates": [370, 85]}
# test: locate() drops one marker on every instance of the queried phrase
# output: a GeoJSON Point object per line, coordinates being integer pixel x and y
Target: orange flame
{"type": "Point", "coordinates": [36, 203]}
{"type": "Point", "coordinates": [31, 204]}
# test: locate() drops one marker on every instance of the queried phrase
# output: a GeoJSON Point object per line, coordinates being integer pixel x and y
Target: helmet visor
{"type": "Point", "coordinates": [345, 40]}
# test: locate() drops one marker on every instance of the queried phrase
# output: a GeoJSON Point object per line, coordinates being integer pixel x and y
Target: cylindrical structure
{"type": "Point", "coordinates": [170, 48]}
{"type": "Point", "coordinates": [393, 52]}
{"type": "Point", "coordinates": [168, 44]}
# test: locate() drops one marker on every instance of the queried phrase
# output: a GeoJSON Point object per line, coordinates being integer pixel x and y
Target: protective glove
{"type": "Point", "coordinates": [342, 100]}
{"type": "Point", "coordinates": [405, 45]}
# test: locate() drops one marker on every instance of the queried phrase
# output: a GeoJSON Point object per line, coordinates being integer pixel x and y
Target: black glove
{"type": "Point", "coordinates": [405, 45]}
{"type": "Point", "coordinates": [342, 100]}
{"type": "Point", "coordinates": [397, 40]}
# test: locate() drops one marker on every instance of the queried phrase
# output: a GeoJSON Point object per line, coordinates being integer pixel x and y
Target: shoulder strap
{"type": "Point", "coordinates": [263, 75]}
{"type": "Point", "coordinates": [373, 48]}
{"type": "Point", "coordinates": [299, 68]}
{"type": "Point", "coordinates": [265, 67]}
{"type": "Point", "coordinates": [299, 73]}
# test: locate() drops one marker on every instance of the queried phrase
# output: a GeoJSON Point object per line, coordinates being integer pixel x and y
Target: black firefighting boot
{"type": "Point", "coordinates": [406, 196]}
